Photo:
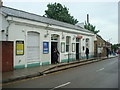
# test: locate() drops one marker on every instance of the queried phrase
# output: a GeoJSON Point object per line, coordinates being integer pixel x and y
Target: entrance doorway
{"type": "Point", "coordinates": [77, 51]}
{"type": "Point", "coordinates": [55, 41]}
{"type": "Point", "coordinates": [53, 45]}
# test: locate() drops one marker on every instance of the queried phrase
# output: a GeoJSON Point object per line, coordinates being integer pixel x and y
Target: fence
{"type": "Point", "coordinates": [79, 56]}
{"type": "Point", "coordinates": [82, 56]}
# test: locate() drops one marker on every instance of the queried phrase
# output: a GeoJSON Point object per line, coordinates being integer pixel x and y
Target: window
{"type": "Point", "coordinates": [73, 47]}
{"type": "Point", "coordinates": [87, 42]}
{"type": "Point", "coordinates": [62, 47]}
{"type": "Point", "coordinates": [67, 43]}
{"type": "Point", "coordinates": [54, 37]}
{"type": "Point", "coordinates": [83, 48]}
{"type": "Point", "coordinates": [77, 39]}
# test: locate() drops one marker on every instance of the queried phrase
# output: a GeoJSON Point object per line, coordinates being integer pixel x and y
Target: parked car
{"type": "Point", "coordinates": [118, 51]}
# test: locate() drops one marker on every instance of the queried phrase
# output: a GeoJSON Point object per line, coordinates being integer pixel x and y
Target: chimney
{"type": "Point", "coordinates": [87, 18]}
{"type": "Point", "coordinates": [1, 3]}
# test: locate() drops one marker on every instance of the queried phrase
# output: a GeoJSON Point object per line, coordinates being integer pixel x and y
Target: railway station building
{"type": "Point", "coordinates": [33, 37]}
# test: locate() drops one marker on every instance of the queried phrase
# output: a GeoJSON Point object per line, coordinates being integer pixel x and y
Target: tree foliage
{"type": "Point", "coordinates": [115, 46]}
{"type": "Point", "coordinates": [91, 28]}
{"type": "Point", "coordinates": [58, 12]}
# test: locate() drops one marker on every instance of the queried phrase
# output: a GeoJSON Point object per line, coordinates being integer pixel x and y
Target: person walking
{"type": "Point", "coordinates": [55, 55]}
{"type": "Point", "coordinates": [87, 53]}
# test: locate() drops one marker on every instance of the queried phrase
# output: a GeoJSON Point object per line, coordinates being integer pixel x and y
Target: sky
{"type": "Point", "coordinates": [102, 13]}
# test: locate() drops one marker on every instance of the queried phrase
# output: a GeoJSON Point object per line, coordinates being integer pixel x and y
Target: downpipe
{"type": "Point", "coordinates": [7, 29]}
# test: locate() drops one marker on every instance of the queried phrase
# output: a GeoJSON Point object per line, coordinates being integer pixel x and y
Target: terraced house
{"type": "Point", "coordinates": [33, 38]}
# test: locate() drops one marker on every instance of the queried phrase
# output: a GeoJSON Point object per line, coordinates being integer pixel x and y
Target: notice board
{"type": "Point", "coordinates": [45, 47]}
{"type": "Point", "coordinates": [19, 47]}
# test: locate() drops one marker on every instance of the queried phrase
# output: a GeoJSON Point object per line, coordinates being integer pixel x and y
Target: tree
{"type": "Point", "coordinates": [58, 12]}
{"type": "Point", "coordinates": [91, 28]}
{"type": "Point", "coordinates": [115, 47]}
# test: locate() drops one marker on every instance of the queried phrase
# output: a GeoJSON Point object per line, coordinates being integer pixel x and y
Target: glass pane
{"type": "Point", "coordinates": [67, 48]}
{"type": "Point", "coordinates": [77, 39]}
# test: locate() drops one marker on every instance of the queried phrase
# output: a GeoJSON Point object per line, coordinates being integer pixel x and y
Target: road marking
{"type": "Point", "coordinates": [100, 69]}
{"type": "Point", "coordinates": [61, 85]}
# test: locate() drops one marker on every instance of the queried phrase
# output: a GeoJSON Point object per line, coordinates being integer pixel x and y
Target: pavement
{"type": "Point", "coordinates": [25, 73]}
{"type": "Point", "coordinates": [102, 74]}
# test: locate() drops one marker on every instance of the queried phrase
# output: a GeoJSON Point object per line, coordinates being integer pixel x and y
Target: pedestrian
{"type": "Point", "coordinates": [107, 52]}
{"type": "Point", "coordinates": [87, 53]}
{"type": "Point", "coordinates": [55, 55]}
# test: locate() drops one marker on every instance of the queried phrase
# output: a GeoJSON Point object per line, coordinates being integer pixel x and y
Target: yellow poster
{"type": "Point", "coordinates": [20, 47]}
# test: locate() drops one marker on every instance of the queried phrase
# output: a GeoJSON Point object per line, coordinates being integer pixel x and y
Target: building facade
{"type": "Point", "coordinates": [100, 46]}
{"type": "Point", "coordinates": [34, 38]}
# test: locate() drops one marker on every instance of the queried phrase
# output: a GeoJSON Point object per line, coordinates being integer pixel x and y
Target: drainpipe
{"type": "Point", "coordinates": [7, 29]}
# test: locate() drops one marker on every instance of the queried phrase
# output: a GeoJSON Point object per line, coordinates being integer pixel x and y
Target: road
{"type": "Point", "coordinates": [103, 74]}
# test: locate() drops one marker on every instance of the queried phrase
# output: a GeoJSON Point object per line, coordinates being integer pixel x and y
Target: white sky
{"type": "Point", "coordinates": [102, 13]}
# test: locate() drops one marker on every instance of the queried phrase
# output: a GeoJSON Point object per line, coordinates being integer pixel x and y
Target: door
{"type": "Point", "coordinates": [7, 55]}
{"type": "Point", "coordinates": [33, 47]}
{"type": "Point", "coordinates": [77, 51]}
{"type": "Point", "coordinates": [53, 45]}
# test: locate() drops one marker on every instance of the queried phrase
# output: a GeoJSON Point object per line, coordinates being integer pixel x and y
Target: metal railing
{"type": "Point", "coordinates": [78, 56]}
{"type": "Point", "coordinates": [82, 56]}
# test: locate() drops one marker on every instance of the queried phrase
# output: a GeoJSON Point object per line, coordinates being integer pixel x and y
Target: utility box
{"type": "Point", "coordinates": [6, 53]}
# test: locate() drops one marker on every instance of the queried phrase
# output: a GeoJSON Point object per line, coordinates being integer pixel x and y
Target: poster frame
{"type": "Point", "coordinates": [46, 51]}
{"type": "Point", "coordinates": [22, 42]}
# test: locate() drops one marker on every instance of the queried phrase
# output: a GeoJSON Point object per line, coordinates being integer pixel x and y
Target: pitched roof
{"type": "Point", "coordinates": [30, 16]}
{"type": "Point", "coordinates": [100, 37]}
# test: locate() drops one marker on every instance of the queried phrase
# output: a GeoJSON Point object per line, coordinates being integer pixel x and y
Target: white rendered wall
{"type": "Point", "coordinates": [18, 31]}
{"type": "Point", "coordinates": [3, 26]}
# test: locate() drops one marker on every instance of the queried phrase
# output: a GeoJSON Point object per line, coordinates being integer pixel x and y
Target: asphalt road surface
{"type": "Point", "coordinates": [103, 74]}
